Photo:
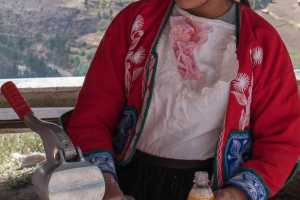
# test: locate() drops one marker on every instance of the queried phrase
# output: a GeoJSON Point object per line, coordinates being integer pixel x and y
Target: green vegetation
{"type": "Point", "coordinates": [81, 70]}
{"type": "Point", "coordinates": [38, 67]}
{"type": "Point", "coordinates": [48, 54]}
{"type": "Point", "coordinates": [59, 50]}
{"type": "Point", "coordinates": [9, 48]}
{"type": "Point", "coordinates": [295, 55]}
{"type": "Point", "coordinates": [81, 59]}
{"type": "Point", "coordinates": [17, 143]}
{"type": "Point", "coordinates": [18, 52]}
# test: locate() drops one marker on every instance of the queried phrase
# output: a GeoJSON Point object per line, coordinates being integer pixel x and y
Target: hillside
{"type": "Point", "coordinates": [44, 38]}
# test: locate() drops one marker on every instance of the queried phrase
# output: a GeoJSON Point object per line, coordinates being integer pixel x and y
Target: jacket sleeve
{"type": "Point", "coordinates": [101, 98]}
{"type": "Point", "coordinates": [275, 122]}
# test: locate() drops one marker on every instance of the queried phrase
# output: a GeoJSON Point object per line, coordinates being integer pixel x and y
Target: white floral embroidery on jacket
{"type": "Point", "coordinates": [241, 84]}
{"type": "Point", "coordinates": [134, 56]}
{"type": "Point", "coordinates": [257, 55]}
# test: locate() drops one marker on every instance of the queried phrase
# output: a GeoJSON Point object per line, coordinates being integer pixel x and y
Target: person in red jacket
{"type": "Point", "coordinates": [183, 86]}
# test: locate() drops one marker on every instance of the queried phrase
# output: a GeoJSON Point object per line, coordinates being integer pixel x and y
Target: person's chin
{"type": "Point", "coordinates": [190, 4]}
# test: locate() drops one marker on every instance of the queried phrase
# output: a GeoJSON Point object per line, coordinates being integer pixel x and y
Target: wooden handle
{"type": "Point", "coordinates": [15, 99]}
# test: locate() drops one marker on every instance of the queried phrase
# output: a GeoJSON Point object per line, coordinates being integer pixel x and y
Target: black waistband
{"type": "Point", "coordinates": [173, 163]}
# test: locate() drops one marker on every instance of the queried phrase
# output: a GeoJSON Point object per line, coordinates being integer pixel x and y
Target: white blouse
{"type": "Point", "coordinates": [196, 63]}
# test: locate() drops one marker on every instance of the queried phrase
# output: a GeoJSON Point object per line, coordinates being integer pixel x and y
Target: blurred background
{"type": "Point", "coordinates": [46, 47]}
{"type": "Point", "coordinates": [58, 38]}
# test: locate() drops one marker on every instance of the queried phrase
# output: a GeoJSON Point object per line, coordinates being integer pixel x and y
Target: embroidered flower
{"type": "Point", "coordinates": [135, 39]}
{"type": "Point", "coordinates": [137, 73]}
{"type": "Point", "coordinates": [250, 184]}
{"type": "Point", "coordinates": [138, 57]}
{"type": "Point", "coordinates": [138, 24]}
{"type": "Point", "coordinates": [186, 36]}
{"type": "Point", "coordinates": [235, 155]}
{"type": "Point", "coordinates": [243, 120]}
{"type": "Point", "coordinates": [185, 30]}
{"type": "Point", "coordinates": [241, 98]}
{"type": "Point", "coordinates": [246, 118]}
{"type": "Point", "coordinates": [241, 83]}
{"type": "Point", "coordinates": [237, 152]}
{"type": "Point", "coordinates": [134, 57]}
{"type": "Point", "coordinates": [257, 55]}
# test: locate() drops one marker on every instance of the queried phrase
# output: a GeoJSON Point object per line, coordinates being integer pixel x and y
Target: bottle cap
{"type": "Point", "coordinates": [201, 178]}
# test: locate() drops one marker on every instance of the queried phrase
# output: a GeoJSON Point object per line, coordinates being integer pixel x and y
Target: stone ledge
{"type": "Point", "coordinates": [48, 102]}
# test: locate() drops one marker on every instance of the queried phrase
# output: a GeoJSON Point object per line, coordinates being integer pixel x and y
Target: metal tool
{"type": "Point", "coordinates": [65, 175]}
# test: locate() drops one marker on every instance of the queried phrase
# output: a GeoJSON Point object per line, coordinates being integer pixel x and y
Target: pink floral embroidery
{"type": "Point", "coordinates": [186, 36]}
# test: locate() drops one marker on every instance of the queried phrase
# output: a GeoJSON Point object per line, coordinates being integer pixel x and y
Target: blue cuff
{"type": "Point", "coordinates": [104, 160]}
{"type": "Point", "coordinates": [251, 184]}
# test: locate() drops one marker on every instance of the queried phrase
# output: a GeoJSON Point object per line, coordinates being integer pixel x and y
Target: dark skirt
{"type": "Point", "coordinates": [149, 177]}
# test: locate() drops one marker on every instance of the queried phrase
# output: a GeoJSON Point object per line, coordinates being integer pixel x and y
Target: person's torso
{"type": "Point", "coordinates": [196, 62]}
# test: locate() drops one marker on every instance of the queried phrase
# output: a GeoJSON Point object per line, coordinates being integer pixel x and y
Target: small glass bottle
{"type": "Point", "coordinates": [201, 189]}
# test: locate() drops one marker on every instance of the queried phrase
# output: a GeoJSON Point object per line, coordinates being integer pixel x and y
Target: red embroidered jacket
{"type": "Point", "coordinates": [260, 141]}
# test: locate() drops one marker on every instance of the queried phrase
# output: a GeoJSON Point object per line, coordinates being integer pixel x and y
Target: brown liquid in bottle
{"type": "Point", "coordinates": [201, 189]}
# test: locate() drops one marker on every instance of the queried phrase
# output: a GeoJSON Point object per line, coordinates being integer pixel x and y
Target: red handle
{"type": "Point", "coordinates": [15, 99]}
